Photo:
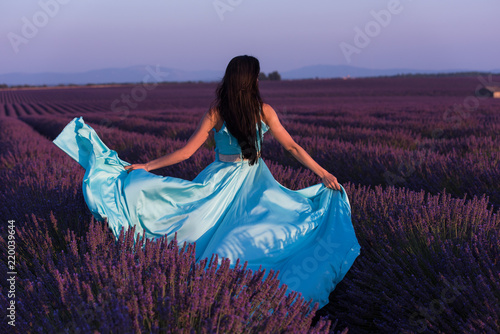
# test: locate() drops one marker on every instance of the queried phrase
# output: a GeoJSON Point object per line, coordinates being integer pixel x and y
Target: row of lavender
{"type": "Point", "coordinates": [343, 94]}
{"type": "Point", "coordinates": [112, 97]}
{"type": "Point", "coordinates": [29, 109]}
{"type": "Point", "coordinates": [429, 262]}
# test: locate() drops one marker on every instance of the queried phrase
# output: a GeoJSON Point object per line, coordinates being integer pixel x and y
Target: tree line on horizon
{"type": "Point", "coordinates": [272, 76]}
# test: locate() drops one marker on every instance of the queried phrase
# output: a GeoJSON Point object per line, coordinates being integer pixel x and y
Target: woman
{"type": "Point", "coordinates": [241, 109]}
{"type": "Point", "coordinates": [234, 207]}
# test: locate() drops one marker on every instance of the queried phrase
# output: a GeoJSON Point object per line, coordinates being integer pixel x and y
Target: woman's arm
{"type": "Point", "coordinates": [195, 141]}
{"type": "Point", "coordinates": [284, 138]}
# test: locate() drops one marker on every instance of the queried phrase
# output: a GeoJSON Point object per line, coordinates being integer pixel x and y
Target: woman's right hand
{"type": "Point", "coordinates": [330, 181]}
{"type": "Point", "coordinates": [132, 167]}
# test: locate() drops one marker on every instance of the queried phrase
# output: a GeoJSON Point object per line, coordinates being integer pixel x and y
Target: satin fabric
{"type": "Point", "coordinates": [231, 208]}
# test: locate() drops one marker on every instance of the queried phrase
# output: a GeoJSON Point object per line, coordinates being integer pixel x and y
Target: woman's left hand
{"type": "Point", "coordinates": [136, 166]}
{"type": "Point", "coordinates": [330, 181]}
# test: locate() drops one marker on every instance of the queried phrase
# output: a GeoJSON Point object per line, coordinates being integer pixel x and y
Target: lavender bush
{"type": "Point", "coordinates": [90, 283]}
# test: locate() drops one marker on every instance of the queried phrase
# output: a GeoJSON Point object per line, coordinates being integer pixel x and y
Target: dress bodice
{"type": "Point", "coordinates": [226, 143]}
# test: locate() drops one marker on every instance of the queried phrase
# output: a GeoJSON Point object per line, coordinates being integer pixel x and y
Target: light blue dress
{"type": "Point", "coordinates": [231, 208]}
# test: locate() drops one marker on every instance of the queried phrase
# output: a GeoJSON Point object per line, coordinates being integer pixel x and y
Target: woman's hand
{"type": "Point", "coordinates": [330, 181]}
{"type": "Point", "coordinates": [136, 166]}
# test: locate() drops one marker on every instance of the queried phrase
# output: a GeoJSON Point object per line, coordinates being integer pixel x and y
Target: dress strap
{"type": "Point", "coordinates": [234, 157]}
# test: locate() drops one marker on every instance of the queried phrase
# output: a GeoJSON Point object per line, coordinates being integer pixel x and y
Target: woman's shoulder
{"type": "Point", "coordinates": [217, 120]}
{"type": "Point", "coordinates": [213, 112]}
{"type": "Point", "coordinates": [267, 113]}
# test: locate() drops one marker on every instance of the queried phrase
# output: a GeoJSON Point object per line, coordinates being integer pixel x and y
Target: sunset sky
{"type": "Point", "coordinates": [75, 36]}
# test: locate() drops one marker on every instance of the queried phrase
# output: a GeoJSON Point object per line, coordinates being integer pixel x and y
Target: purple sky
{"type": "Point", "coordinates": [77, 36]}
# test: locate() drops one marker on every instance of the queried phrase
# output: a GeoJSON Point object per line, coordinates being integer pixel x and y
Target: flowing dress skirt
{"type": "Point", "coordinates": [231, 208]}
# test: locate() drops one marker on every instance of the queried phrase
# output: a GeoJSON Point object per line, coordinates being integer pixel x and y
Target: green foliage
{"type": "Point", "coordinates": [273, 76]}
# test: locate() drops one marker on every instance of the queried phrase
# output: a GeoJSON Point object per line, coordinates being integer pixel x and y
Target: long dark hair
{"type": "Point", "coordinates": [239, 103]}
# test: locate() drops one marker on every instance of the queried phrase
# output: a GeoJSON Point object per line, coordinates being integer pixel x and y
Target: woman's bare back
{"type": "Point", "coordinates": [220, 121]}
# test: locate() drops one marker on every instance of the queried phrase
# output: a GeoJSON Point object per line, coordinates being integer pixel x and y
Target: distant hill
{"type": "Point", "coordinates": [136, 74]}
{"type": "Point", "coordinates": [133, 74]}
{"type": "Point", "coordinates": [339, 71]}
{"type": "Point", "coordinates": [342, 71]}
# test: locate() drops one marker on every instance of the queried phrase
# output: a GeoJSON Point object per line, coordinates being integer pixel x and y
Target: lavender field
{"type": "Point", "coordinates": [419, 158]}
